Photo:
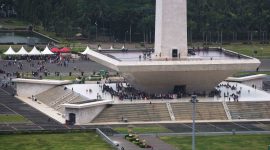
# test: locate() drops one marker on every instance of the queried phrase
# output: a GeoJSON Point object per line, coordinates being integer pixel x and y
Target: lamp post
{"type": "Point", "coordinates": [28, 40]}
{"type": "Point", "coordinates": [96, 30]}
{"type": "Point", "coordinates": [193, 100]}
{"type": "Point", "coordinates": [125, 38]}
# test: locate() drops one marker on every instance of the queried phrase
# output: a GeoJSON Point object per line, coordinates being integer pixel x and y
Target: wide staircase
{"type": "Point", "coordinates": [50, 96]}
{"type": "Point", "coordinates": [11, 105]}
{"type": "Point", "coordinates": [134, 113]}
{"type": "Point", "coordinates": [204, 111]}
{"type": "Point", "coordinates": [249, 110]}
{"type": "Point", "coordinates": [57, 96]}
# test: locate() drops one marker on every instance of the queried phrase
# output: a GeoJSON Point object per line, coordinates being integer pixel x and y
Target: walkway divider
{"type": "Point", "coordinates": [169, 107]}
{"type": "Point", "coordinates": [106, 138]}
{"type": "Point", "coordinates": [227, 111]}
{"type": "Point", "coordinates": [46, 36]}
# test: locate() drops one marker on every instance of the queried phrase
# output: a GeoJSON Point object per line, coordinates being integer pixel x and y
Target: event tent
{"type": "Point", "coordinates": [22, 51]}
{"type": "Point", "coordinates": [10, 51]}
{"type": "Point", "coordinates": [34, 51]}
{"type": "Point", "coordinates": [111, 48]}
{"type": "Point", "coordinates": [99, 48]}
{"type": "Point", "coordinates": [47, 51]}
{"type": "Point", "coordinates": [86, 50]}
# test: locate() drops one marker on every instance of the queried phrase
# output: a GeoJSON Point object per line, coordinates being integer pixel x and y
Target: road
{"type": "Point", "coordinates": [265, 65]}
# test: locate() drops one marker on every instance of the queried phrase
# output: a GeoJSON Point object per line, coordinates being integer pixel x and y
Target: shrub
{"type": "Point", "coordinates": [133, 139]}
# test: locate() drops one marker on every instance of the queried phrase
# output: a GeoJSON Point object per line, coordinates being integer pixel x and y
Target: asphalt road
{"type": "Point", "coordinates": [265, 65]}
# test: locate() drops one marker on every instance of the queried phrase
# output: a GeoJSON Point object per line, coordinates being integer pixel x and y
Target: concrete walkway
{"type": "Point", "coordinates": [44, 109]}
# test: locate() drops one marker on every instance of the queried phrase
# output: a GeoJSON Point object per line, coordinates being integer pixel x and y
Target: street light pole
{"type": "Point", "coordinates": [125, 37]}
{"type": "Point", "coordinates": [96, 30]}
{"type": "Point", "coordinates": [193, 101]}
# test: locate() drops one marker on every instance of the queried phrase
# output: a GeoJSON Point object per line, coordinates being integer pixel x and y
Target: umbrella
{"type": "Point", "coordinates": [55, 50]}
{"type": "Point", "coordinates": [65, 50]}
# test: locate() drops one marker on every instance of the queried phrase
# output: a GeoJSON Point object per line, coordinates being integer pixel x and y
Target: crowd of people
{"type": "Point", "coordinates": [38, 66]}
{"type": "Point", "coordinates": [125, 91]}
{"type": "Point", "coordinates": [231, 96]}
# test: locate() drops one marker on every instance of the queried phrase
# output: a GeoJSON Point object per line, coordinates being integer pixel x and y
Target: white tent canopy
{"type": "Point", "coordinates": [34, 51]}
{"type": "Point", "coordinates": [46, 51]}
{"type": "Point", "coordinates": [10, 51]}
{"type": "Point", "coordinates": [111, 48]}
{"type": "Point", "coordinates": [22, 51]}
{"type": "Point", "coordinates": [86, 50]}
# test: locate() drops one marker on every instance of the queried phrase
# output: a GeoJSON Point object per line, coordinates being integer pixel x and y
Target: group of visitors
{"type": "Point", "coordinates": [235, 92]}
{"type": "Point", "coordinates": [125, 91]}
{"type": "Point", "coordinates": [37, 66]}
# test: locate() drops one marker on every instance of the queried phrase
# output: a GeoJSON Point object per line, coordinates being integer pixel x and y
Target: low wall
{"type": "Point", "coordinates": [106, 138]}
{"type": "Point", "coordinates": [29, 89]}
{"type": "Point", "coordinates": [46, 36]}
{"type": "Point", "coordinates": [253, 80]}
{"type": "Point", "coordinates": [85, 112]}
{"type": "Point", "coordinates": [84, 115]}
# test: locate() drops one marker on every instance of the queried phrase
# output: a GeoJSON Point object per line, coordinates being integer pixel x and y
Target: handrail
{"type": "Point", "coordinates": [169, 107]}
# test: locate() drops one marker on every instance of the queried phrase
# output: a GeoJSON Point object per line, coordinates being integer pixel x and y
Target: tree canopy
{"type": "Point", "coordinates": [133, 20]}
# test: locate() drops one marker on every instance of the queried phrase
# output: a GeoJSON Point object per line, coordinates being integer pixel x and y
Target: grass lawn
{"type": "Point", "coordinates": [228, 142]}
{"type": "Point", "coordinates": [13, 23]}
{"type": "Point", "coordinates": [13, 118]}
{"type": "Point", "coordinates": [60, 77]}
{"type": "Point", "coordinates": [143, 129]}
{"type": "Point", "coordinates": [67, 141]}
{"type": "Point", "coordinates": [263, 50]}
{"type": "Point", "coordinates": [242, 74]}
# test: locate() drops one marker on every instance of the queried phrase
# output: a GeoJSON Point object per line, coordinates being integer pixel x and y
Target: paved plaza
{"type": "Point", "coordinates": [76, 67]}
